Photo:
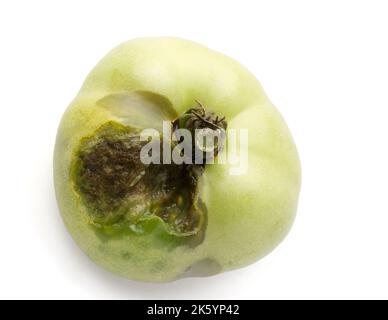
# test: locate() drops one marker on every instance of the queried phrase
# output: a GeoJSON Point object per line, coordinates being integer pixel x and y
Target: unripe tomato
{"type": "Point", "coordinates": [161, 222]}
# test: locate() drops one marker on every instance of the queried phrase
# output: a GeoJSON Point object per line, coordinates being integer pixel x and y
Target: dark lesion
{"type": "Point", "coordinates": [108, 171]}
{"type": "Point", "coordinates": [117, 188]}
{"type": "Point", "coordinates": [119, 191]}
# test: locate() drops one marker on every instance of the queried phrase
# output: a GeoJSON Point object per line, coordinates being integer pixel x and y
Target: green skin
{"type": "Point", "coordinates": [247, 215]}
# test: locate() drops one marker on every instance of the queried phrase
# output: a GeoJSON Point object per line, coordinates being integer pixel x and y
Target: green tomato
{"type": "Point", "coordinates": [161, 222]}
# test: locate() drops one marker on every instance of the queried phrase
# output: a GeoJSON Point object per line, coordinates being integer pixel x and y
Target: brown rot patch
{"type": "Point", "coordinates": [121, 193]}
{"type": "Point", "coordinates": [108, 171]}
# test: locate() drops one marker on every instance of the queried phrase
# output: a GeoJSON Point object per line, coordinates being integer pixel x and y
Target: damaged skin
{"type": "Point", "coordinates": [119, 190]}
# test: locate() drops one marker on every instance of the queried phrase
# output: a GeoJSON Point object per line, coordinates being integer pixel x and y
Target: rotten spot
{"type": "Point", "coordinates": [117, 188]}
{"type": "Point", "coordinates": [120, 191]}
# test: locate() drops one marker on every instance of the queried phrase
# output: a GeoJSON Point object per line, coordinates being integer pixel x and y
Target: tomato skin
{"type": "Point", "coordinates": [248, 215]}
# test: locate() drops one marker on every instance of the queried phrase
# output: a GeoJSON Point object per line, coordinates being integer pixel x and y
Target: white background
{"type": "Point", "coordinates": [324, 64]}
